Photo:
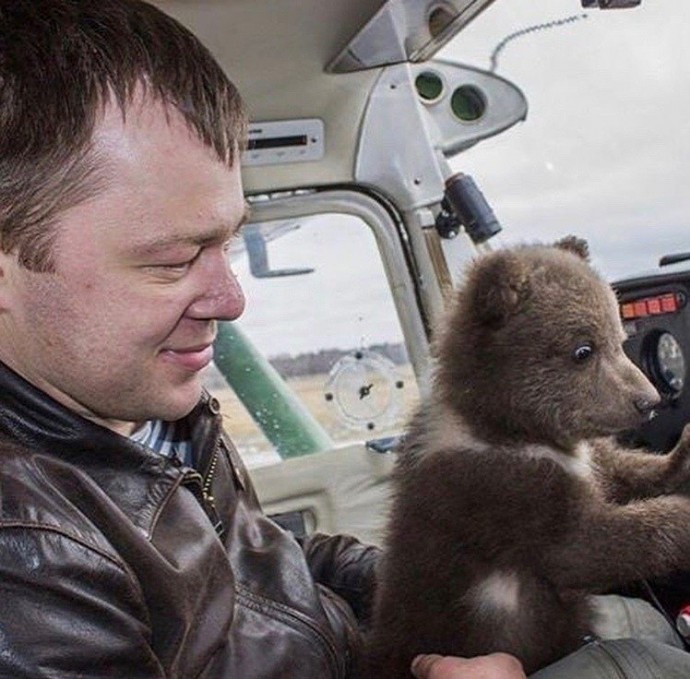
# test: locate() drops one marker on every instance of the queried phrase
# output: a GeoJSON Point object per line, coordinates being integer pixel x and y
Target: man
{"type": "Point", "coordinates": [131, 540]}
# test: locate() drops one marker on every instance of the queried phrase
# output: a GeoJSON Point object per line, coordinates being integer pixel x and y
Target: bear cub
{"type": "Point", "coordinates": [512, 502]}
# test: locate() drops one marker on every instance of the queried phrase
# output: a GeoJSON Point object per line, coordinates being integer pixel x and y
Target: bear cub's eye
{"type": "Point", "coordinates": [583, 352]}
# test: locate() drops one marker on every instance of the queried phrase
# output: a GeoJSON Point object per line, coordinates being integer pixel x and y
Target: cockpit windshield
{"type": "Point", "coordinates": [603, 152]}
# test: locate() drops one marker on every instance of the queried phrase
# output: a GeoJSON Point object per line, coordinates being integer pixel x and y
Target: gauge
{"type": "Point", "coordinates": [364, 388]}
{"type": "Point", "coordinates": [668, 363]}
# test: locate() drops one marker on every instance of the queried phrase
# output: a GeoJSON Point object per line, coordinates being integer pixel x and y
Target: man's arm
{"type": "Point", "coordinates": [345, 566]}
{"type": "Point", "coordinates": [68, 610]}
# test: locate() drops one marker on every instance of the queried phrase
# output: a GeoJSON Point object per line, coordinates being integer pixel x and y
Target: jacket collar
{"type": "Point", "coordinates": [32, 418]}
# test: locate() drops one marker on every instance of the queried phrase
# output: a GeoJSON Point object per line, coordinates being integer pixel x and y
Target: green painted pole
{"type": "Point", "coordinates": [284, 420]}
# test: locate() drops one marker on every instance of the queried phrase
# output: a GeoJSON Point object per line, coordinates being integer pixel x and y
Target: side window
{"type": "Point", "coordinates": [318, 359]}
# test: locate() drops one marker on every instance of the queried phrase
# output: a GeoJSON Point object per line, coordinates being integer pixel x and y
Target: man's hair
{"type": "Point", "coordinates": [61, 62]}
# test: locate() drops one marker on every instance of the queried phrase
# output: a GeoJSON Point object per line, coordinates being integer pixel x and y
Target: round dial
{"type": "Point", "coordinates": [669, 362]}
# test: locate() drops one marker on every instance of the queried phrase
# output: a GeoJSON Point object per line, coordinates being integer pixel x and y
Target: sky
{"type": "Point", "coordinates": [603, 154]}
{"type": "Point", "coordinates": [605, 147]}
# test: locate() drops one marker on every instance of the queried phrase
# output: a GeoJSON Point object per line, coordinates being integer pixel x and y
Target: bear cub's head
{"type": "Point", "coordinates": [531, 350]}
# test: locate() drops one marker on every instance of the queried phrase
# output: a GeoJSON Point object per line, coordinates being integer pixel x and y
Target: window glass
{"type": "Point", "coordinates": [603, 151]}
{"type": "Point", "coordinates": [320, 311]}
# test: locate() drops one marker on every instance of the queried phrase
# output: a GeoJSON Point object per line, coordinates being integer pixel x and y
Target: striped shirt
{"type": "Point", "coordinates": [170, 439]}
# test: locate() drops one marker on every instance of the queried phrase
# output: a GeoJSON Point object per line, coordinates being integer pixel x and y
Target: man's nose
{"type": "Point", "coordinates": [222, 297]}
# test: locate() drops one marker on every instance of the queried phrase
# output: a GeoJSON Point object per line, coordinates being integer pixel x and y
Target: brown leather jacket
{"type": "Point", "coordinates": [115, 562]}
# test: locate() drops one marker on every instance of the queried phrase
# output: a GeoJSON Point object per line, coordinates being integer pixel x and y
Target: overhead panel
{"type": "Point", "coordinates": [465, 104]}
{"type": "Point", "coordinates": [440, 109]}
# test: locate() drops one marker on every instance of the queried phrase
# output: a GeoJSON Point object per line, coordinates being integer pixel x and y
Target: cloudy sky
{"type": "Point", "coordinates": [605, 150]}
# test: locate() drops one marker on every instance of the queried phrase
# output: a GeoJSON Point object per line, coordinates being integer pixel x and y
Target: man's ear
{"type": "Point", "coordinates": [500, 285]}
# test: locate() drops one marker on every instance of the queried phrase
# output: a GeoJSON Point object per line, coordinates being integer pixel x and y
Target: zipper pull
{"type": "Point", "coordinates": [212, 513]}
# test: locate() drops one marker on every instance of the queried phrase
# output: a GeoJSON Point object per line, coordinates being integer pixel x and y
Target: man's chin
{"type": "Point", "coordinates": [183, 400]}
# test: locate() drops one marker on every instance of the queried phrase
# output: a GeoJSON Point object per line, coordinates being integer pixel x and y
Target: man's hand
{"type": "Point", "coordinates": [494, 666]}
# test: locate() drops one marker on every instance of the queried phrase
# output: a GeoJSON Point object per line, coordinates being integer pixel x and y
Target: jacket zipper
{"type": "Point", "coordinates": [194, 480]}
{"type": "Point", "coordinates": [209, 500]}
{"type": "Point", "coordinates": [208, 481]}
{"type": "Point", "coordinates": [285, 614]}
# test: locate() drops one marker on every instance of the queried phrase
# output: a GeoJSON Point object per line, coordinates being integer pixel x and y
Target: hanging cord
{"type": "Point", "coordinates": [530, 29]}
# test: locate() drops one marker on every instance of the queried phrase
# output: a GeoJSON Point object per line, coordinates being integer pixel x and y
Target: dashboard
{"type": "Point", "coordinates": [656, 315]}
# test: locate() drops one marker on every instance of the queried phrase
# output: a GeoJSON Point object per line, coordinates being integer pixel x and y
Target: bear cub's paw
{"type": "Point", "coordinates": [679, 459]}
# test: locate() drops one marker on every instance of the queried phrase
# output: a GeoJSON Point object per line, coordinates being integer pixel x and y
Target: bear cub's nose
{"type": "Point", "coordinates": [645, 406]}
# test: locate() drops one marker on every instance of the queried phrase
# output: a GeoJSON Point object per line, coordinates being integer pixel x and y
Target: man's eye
{"type": "Point", "coordinates": [173, 270]}
{"type": "Point", "coordinates": [178, 266]}
{"type": "Point", "coordinates": [170, 271]}
{"type": "Point", "coordinates": [181, 266]}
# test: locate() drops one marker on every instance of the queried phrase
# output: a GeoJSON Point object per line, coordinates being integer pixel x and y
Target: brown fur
{"type": "Point", "coordinates": [512, 503]}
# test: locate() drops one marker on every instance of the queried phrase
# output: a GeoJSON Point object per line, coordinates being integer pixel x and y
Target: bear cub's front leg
{"type": "Point", "coordinates": [628, 475]}
{"type": "Point", "coordinates": [679, 464]}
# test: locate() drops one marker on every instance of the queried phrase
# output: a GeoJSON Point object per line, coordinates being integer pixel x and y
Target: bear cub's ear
{"type": "Point", "coordinates": [578, 246]}
{"type": "Point", "coordinates": [501, 286]}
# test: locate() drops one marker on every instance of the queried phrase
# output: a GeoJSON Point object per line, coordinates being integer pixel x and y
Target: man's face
{"type": "Point", "coordinates": [120, 331]}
